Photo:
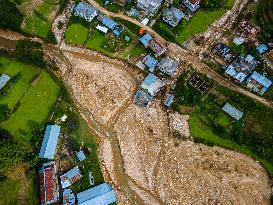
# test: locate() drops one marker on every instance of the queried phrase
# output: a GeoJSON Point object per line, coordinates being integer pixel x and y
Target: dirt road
{"type": "Point", "coordinates": [191, 58]}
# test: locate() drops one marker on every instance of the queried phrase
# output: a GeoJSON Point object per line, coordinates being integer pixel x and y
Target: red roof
{"type": "Point", "coordinates": [49, 186]}
{"type": "Point", "coordinates": [194, 1]}
{"type": "Point", "coordinates": [42, 191]}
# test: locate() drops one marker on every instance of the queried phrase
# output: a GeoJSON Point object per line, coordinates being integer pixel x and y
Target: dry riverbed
{"type": "Point", "coordinates": [138, 152]}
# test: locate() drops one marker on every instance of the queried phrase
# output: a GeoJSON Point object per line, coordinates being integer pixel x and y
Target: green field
{"type": "Point", "coordinates": [80, 32]}
{"type": "Point", "coordinates": [76, 34]}
{"type": "Point", "coordinates": [12, 68]}
{"type": "Point", "coordinates": [251, 135]}
{"type": "Point", "coordinates": [199, 23]}
{"type": "Point", "coordinates": [32, 109]}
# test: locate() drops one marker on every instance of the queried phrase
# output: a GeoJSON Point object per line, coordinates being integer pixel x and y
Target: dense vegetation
{"type": "Point", "coordinates": [10, 16]}
{"type": "Point", "coordinates": [209, 124]}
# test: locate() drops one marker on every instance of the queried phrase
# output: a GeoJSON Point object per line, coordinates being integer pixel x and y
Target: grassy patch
{"type": "Point", "coordinates": [33, 108]}
{"type": "Point", "coordinates": [11, 68]}
{"type": "Point", "coordinates": [76, 34]}
{"type": "Point", "coordinates": [199, 23]}
{"type": "Point", "coordinates": [36, 26]}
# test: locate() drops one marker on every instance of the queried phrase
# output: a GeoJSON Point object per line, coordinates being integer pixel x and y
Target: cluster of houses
{"type": "Point", "coordinates": [165, 65]}
{"type": "Point", "coordinates": [49, 178]}
{"type": "Point", "coordinates": [88, 12]}
{"type": "Point", "coordinates": [241, 68]}
{"type": "Point", "coordinates": [3, 80]}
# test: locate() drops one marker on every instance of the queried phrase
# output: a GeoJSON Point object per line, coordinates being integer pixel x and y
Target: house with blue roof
{"type": "Point", "coordinates": [258, 83]}
{"type": "Point", "coordinates": [116, 28]}
{"type": "Point", "coordinates": [169, 66]}
{"type": "Point", "coordinates": [48, 148]}
{"type": "Point", "coordinates": [145, 39]}
{"type": "Point", "coordinates": [142, 98]}
{"type": "Point", "coordinates": [262, 49]}
{"type": "Point", "coordinates": [152, 84]}
{"type": "Point", "coordinates": [85, 11]}
{"type": "Point", "coordinates": [150, 62]}
{"type": "Point", "coordinates": [173, 16]}
{"type": "Point", "coordinates": [169, 100]}
{"type": "Point", "coordinates": [192, 5]}
{"type": "Point", "coordinates": [3, 80]}
{"type": "Point", "coordinates": [241, 67]}
{"type": "Point", "coordinates": [102, 194]}
{"type": "Point", "coordinates": [232, 111]}
{"type": "Point", "coordinates": [69, 197]}
{"type": "Point", "coordinates": [81, 156]}
{"type": "Point", "coordinates": [70, 177]}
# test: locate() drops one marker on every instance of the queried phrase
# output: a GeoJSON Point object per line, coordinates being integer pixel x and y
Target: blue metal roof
{"type": "Point", "coordinates": [81, 156]}
{"type": "Point", "coordinates": [102, 194]}
{"type": "Point", "coordinates": [232, 111]}
{"type": "Point", "coordinates": [3, 80]}
{"type": "Point", "coordinates": [145, 39]}
{"type": "Point", "coordinates": [50, 141]}
{"type": "Point", "coordinates": [105, 199]}
{"type": "Point", "coordinates": [66, 178]}
{"type": "Point", "coordinates": [169, 100]}
{"type": "Point", "coordinates": [109, 23]}
{"type": "Point", "coordinates": [150, 62]}
{"type": "Point", "coordinates": [150, 79]}
{"type": "Point", "coordinates": [261, 79]}
{"type": "Point", "coordinates": [262, 48]}
{"type": "Point", "coordinates": [85, 9]}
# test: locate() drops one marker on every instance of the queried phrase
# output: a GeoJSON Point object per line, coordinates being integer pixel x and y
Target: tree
{"type": "Point", "coordinates": [4, 112]}
{"type": "Point", "coordinates": [213, 4]}
{"type": "Point", "coordinates": [10, 16]}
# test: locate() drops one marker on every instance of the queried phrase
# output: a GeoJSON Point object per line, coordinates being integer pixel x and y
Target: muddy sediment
{"type": "Point", "coordinates": [142, 158]}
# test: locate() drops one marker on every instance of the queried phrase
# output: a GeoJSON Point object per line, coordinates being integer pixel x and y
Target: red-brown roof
{"type": "Point", "coordinates": [49, 175]}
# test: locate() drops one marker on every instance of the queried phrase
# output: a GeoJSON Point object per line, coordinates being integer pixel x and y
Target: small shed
{"type": "Point", "coordinates": [261, 49]}
{"type": "Point", "coordinates": [232, 111]}
{"type": "Point", "coordinates": [70, 177]}
{"type": "Point", "coordinates": [169, 100]}
{"type": "Point", "coordinates": [145, 39]}
{"type": "Point", "coordinates": [3, 80]}
{"type": "Point", "coordinates": [150, 62]}
{"type": "Point", "coordinates": [80, 155]}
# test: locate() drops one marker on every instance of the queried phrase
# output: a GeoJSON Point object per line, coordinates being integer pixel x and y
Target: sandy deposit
{"type": "Point", "coordinates": [141, 132]}
{"type": "Point", "coordinates": [160, 170]}
{"type": "Point", "coordinates": [197, 174]}
{"type": "Point", "coordinates": [100, 86]}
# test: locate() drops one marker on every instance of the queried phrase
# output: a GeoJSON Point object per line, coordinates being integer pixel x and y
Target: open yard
{"type": "Point", "coordinates": [82, 33]}
{"type": "Point", "coordinates": [28, 94]}
{"type": "Point", "coordinates": [251, 135]}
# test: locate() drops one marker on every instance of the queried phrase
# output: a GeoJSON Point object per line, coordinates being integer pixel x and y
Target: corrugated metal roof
{"type": "Point", "coordinates": [81, 156]}
{"type": "Point", "coordinates": [85, 10]}
{"type": "Point", "coordinates": [109, 23]}
{"type": "Point", "coordinates": [261, 79]}
{"type": "Point", "coordinates": [150, 62]}
{"type": "Point", "coordinates": [169, 100]}
{"type": "Point", "coordinates": [152, 84]}
{"type": "Point", "coordinates": [168, 65]}
{"type": "Point", "coordinates": [105, 199]}
{"type": "Point", "coordinates": [50, 141]}
{"type": "Point", "coordinates": [232, 111]}
{"type": "Point", "coordinates": [95, 195]}
{"type": "Point", "coordinates": [262, 48]}
{"type": "Point", "coordinates": [145, 39]}
{"type": "Point", "coordinates": [70, 177]}
{"type": "Point", "coordinates": [3, 80]}
{"type": "Point", "coordinates": [68, 197]}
